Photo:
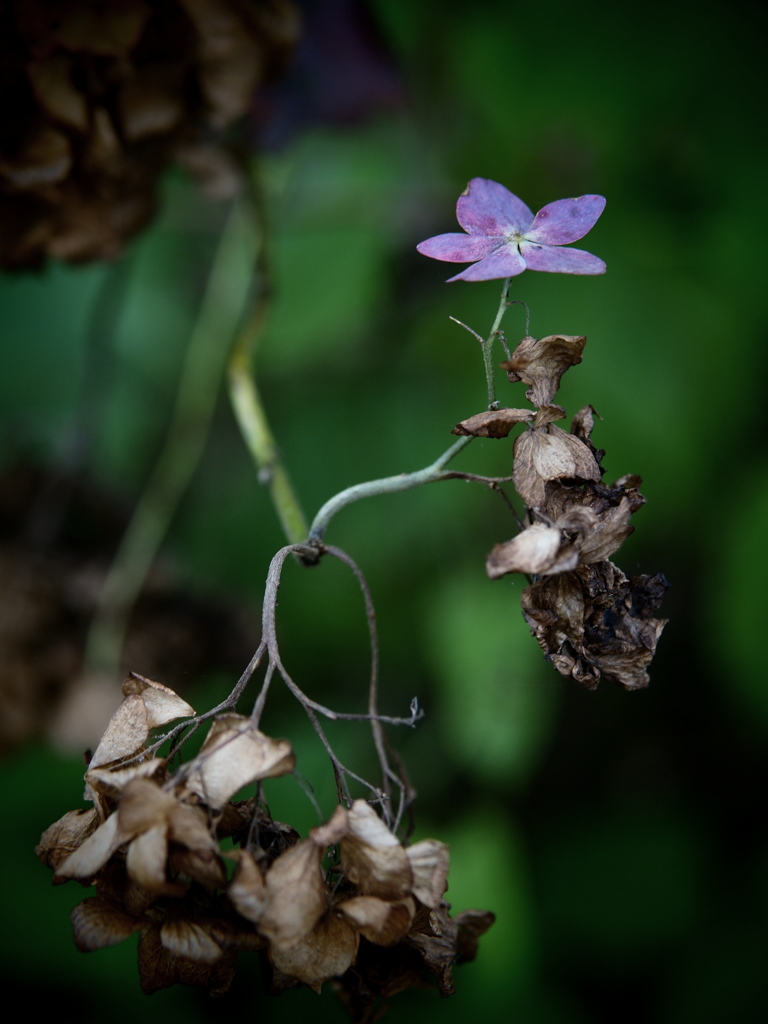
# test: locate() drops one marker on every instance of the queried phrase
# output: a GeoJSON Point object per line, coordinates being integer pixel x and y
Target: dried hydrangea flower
{"type": "Point", "coordinates": [503, 238]}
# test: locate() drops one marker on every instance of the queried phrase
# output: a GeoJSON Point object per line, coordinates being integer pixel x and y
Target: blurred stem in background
{"type": "Point", "coordinates": [228, 302]}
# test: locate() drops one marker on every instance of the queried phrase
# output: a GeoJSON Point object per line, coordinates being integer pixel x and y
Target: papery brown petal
{"type": "Point", "coordinates": [435, 935]}
{"type": "Point", "coordinates": [93, 853]}
{"type": "Point", "coordinates": [51, 82]}
{"type": "Point", "coordinates": [535, 550]}
{"type": "Point", "coordinates": [125, 735]}
{"type": "Point", "coordinates": [542, 362]}
{"type": "Point", "coordinates": [583, 423]}
{"type": "Point", "coordinates": [472, 924]}
{"type": "Point", "coordinates": [159, 968]}
{"type": "Point", "coordinates": [143, 805]}
{"type": "Point", "coordinates": [493, 423]}
{"type": "Point", "coordinates": [247, 890]}
{"type": "Point", "coordinates": [195, 852]}
{"type": "Point", "coordinates": [66, 835]}
{"type": "Point", "coordinates": [429, 861]}
{"type": "Point", "coordinates": [549, 453]}
{"type": "Point", "coordinates": [162, 703]}
{"type": "Point", "coordinates": [548, 414]}
{"type": "Point", "coordinates": [234, 755]}
{"type": "Point", "coordinates": [323, 953]}
{"type": "Point", "coordinates": [110, 782]}
{"type": "Point", "coordinates": [111, 29]}
{"type": "Point", "coordinates": [380, 921]}
{"type": "Point", "coordinates": [298, 896]}
{"type": "Point", "coordinates": [98, 923]}
{"type": "Point", "coordinates": [146, 860]}
{"type": "Point", "coordinates": [371, 856]}
{"type": "Point", "coordinates": [333, 830]}
{"type": "Point", "coordinates": [191, 940]}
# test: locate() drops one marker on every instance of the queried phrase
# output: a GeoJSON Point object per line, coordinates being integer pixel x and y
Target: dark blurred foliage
{"type": "Point", "coordinates": [620, 838]}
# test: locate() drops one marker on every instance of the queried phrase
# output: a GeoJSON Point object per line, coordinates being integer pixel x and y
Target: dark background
{"type": "Point", "coordinates": [619, 838]}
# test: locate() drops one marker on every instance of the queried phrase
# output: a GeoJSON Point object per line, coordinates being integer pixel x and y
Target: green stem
{"type": "Point", "coordinates": [488, 345]}
{"type": "Point", "coordinates": [244, 395]}
{"type": "Point", "coordinates": [221, 309]}
{"type": "Point", "coordinates": [387, 485]}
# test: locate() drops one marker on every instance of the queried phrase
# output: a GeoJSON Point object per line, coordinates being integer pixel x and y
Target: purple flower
{"type": "Point", "coordinates": [503, 237]}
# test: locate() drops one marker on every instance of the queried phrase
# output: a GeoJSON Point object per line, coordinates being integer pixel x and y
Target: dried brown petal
{"type": "Point", "coordinates": [146, 860]}
{"type": "Point", "coordinates": [143, 805]}
{"type": "Point", "coordinates": [159, 968]}
{"type": "Point", "coordinates": [191, 940]}
{"type": "Point", "coordinates": [537, 550]}
{"type": "Point", "coordinates": [98, 923]}
{"type": "Point", "coordinates": [125, 735]}
{"type": "Point", "coordinates": [429, 861]}
{"type": "Point", "coordinates": [333, 830]}
{"type": "Point", "coordinates": [434, 934]}
{"type": "Point", "coordinates": [472, 924]}
{"type": "Point", "coordinates": [542, 362]}
{"type": "Point", "coordinates": [380, 921]}
{"type": "Point", "coordinates": [196, 853]}
{"type": "Point", "coordinates": [247, 890]}
{"type": "Point", "coordinates": [297, 894]}
{"type": "Point", "coordinates": [93, 854]}
{"type": "Point", "coordinates": [66, 835]}
{"type": "Point", "coordinates": [163, 704]}
{"type": "Point", "coordinates": [549, 453]}
{"type": "Point", "coordinates": [548, 414]}
{"type": "Point", "coordinates": [325, 952]}
{"type": "Point", "coordinates": [234, 755]}
{"type": "Point", "coordinates": [52, 83]}
{"type": "Point", "coordinates": [493, 423]}
{"type": "Point", "coordinates": [110, 782]}
{"type": "Point", "coordinates": [372, 857]}
{"type": "Point", "coordinates": [595, 622]}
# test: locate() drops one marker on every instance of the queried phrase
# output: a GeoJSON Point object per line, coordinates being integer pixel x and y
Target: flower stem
{"type": "Point", "coordinates": [488, 345]}
{"type": "Point", "coordinates": [244, 395]}
{"type": "Point", "coordinates": [387, 485]}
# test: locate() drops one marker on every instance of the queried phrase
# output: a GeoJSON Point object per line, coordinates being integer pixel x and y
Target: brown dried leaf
{"type": "Point", "coordinates": [371, 856]}
{"type": "Point", "coordinates": [493, 423]}
{"type": "Point", "coordinates": [163, 704]}
{"type": "Point", "coordinates": [297, 895]}
{"type": "Point", "coordinates": [66, 835]}
{"type": "Point", "coordinates": [98, 923]}
{"type": "Point", "coordinates": [542, 362]}
{"type": "Point", "coordinates": [326, 952]}
{"type": "Point", "coordinates": [234, 755]}
{"type": "Point", "coordinates": [430, 861]}
{"type": "Point", "coordinates": [549, 453]}
{"type": "Point", "coordinates": [93, 854]}
{"type": "Point", "coordinates": [125, 735]}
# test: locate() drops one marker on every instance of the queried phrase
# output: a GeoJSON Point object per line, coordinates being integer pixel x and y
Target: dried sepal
{"type": "Point", "coordinates": [235, 754]}
{"type": "Point", "coordinates": [297, 896]}
{"type": "Point", "coordinates": [325, 952]}
{"type": "Point", "coordinates": [98, 923]}
{"type": "Point", "coordinates": [248, 890]}
{"type": "Point", "coordinates": [372, 857]}
{"type": "Point", "coordinates": [160, 968]}
{"type": "Point", "coordinates": [548, 414]}
{"type": "Point", "coordinates": [110, 782]}
{"type": "Point", "coordinates": [542, 362]}
{"type": "Point", "coordinates": [66, 835]}
{"type": "Point", "coordinates": [430, 861]}
{"type": "Point", "coordinates": [382, 922]}
{"type": "Point", "coordinates": [548, 453]}
{"type": "Point", "coordinates": [163, 704]}
{"type": "Point", "coordinates": [594, 622]}
{"type": "Point", "coordinates": [333, 830]}
{"type": "Point", "coordinates": [125, 735]}
{"type": "Point", "coordinates": [535, 551]}
{"type": "Point", "coordinates": [191, 940]}
{"type": "Point", "coordinates": [87, 860]}
{"type": "Point", "coordinates": [493, 423]}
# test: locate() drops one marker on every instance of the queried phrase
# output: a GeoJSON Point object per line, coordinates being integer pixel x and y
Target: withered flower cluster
{"type": "Point", "coordinates": [104, 95]}
{"type": "Point", "coordinates": [590, 620]}
{"type": "Point", "coordinates": [349, 903]}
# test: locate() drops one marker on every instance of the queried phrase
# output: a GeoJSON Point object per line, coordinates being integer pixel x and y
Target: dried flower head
{"type": "Point", "coordinates": [503, 238]}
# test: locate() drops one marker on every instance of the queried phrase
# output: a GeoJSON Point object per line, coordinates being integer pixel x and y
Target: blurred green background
{"type": "Point", "coordinates": [619, 838]}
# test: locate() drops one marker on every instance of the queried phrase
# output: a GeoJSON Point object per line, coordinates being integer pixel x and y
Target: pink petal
{"type": "Point", "coordinates": [566, 220]}
{"type": "Point", "coordinates": [560, 261]}
{"type": "Point", "coordinates": [487, 208]}
{"type": "Point", "coordinates": [504, 262]}
{"type": "Point", "coordinates": [458, 248]}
